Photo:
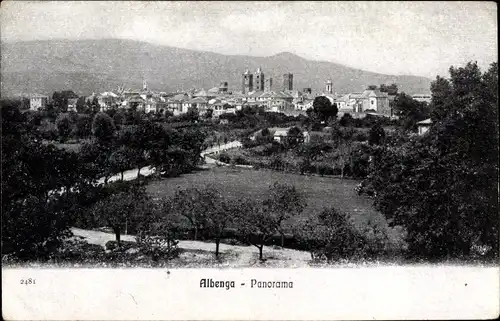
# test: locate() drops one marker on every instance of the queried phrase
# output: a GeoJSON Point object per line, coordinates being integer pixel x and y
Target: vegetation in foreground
{"type": "Point", "coordinates": [441, 188]}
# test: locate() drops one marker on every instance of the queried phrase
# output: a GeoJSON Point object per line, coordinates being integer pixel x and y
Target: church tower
{"type": "Point", "coordinates": [287, 81]}
{"type": "Point", "coordinates": [246, 82]}
{"type": "Point", "coordinates": [268, 84]}
{"type": "Point", "coordinates": [259, 80]}
{"type": "Point", "coordinates": [329, 87]}
{"type": "Point", "coordinates": [144, 85]}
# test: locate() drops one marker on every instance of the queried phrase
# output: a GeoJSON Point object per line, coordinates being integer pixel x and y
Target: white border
{"type": "Point", "coordinates": [418, 292]}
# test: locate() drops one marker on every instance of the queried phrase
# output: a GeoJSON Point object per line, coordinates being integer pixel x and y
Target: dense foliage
{"type": "Point", "coordinates": [443, 187]}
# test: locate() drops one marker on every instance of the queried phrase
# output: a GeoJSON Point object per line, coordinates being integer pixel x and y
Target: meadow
{"type": "Point", "coordinates": [319, 192]}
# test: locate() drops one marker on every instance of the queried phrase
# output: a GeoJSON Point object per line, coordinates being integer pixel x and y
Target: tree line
{"type": "Point", "coordinates": [208, 214]}
{"type": "Point", "coordinates": [442, 187]}
{"type": "Point", "coordinates": [45, 189]}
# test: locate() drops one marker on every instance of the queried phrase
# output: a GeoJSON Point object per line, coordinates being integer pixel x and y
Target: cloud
{"type": "Point", "coordinates": [262, 21]}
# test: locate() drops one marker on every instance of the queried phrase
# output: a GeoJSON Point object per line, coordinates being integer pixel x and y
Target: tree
{"type": "Point", "coordinates": [103, 127]}
{"type": "Point", "coordinates": [324, 108]}
{"type": "Point", "coordinates": [118, 209]}
{"type": "Point", "coordinates": [118, 119]}
{"type": "Point", "coordinates": [338, 236]}
{"type": "Point", "coordinates": [83, 128]}
{"type": "Point", "coordinates": [409, 110]}
{"type": "Point", "coordinates": [64, 126]}
{"type": "Point", "coordinates": [294, 137]}
{"type": "Point", "coordinates": [220, 212]}
{"type": "Point", "coordinates": [96, 107]}
{"type": "Point", "coordinates": [209, 114]}
{"type": "Point", "coordinates": [255, 225]}
{"type": "Point", "coordinates": [192, 114]}
{"type": "Point", "coordinates": [120, 160]}
{"type": "Point", "coordinates": [60, 100]}
{"type": "Point", "coordinates": [442, 187]}
{"type": "Point", "coordinates": [192, 204]}
{"type": "Point", "coordinates": [344, 155]}
{"type": "Point", "coordinates": [346, 120]}
{"type": "Point", "coordinates": [372, 87]}
{"type": "Point", "coordinates": [35, 220]}
{"type": "Point", "coordinates": [283, 203]}
{"type": "Point", "coordinates": [157, 231]}
{"type": "Point", "coordinates": [80, 105]}
{"type": "Point", "coordinates": [377, 135]}
{"type": "Point", "coordinates": [391, 90]}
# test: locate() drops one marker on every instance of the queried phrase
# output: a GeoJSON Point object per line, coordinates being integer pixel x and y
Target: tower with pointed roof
{"type": "Point", "coordinates": [329, 87]}
{"type": "Point", "coordinates": [246, 82]}
{"type": "Point", "coordinates": [259, 80]}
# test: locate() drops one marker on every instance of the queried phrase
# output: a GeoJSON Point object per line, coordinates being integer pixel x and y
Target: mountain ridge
{"type": "Point", "coordinates": [89, 65]}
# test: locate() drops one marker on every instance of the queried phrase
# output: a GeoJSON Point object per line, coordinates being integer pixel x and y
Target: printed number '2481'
{"type": "Point", "coordinates": [28, 281]}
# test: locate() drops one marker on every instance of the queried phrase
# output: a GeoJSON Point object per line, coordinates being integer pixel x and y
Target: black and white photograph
{"type": "Point", "coordinates": [249, 147]}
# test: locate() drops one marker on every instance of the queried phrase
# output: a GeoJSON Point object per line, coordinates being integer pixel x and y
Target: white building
{"type": "Point", "coordinates": [38, 101]}
{"type": "Point", "coordinates": [424, 125]}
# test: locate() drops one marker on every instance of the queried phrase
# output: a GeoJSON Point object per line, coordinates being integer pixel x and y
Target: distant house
{"type": "Point", "coordinates": [422, 97]}
{"type": "Point", "coordinates": [280, 102]}
{"type": "Point", "coordinates": [424, 125]}
{"type": "Point", "coordinates": [137, 102]}
{"type": "Point", "coordinates": [38, 101]}
{"type": "Point", "coordinates": [281, 134]}
{"type": "Point", "coordinates": [72, 104]}
{"type": "Point", "coordinates": [303, 104]}
{"type": "Point", "coordinates": [174, 104]}
{"type": "Point", "coordinates": [369, 100]}
{"type": "Point", "coordinates": [107, 100]}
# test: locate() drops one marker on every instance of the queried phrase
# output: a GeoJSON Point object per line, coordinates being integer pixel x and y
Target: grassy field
{"type": "Point", "coordinates": [320, 192]}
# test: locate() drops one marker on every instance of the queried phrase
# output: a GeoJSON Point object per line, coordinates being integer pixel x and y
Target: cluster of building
{"type": "Point", "coordinates": [256, 90]}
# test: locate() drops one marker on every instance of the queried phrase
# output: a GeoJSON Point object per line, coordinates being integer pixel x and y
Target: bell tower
{"type": "Point", "coordinates": [329, 87]}
{"type": "Point", "coordinates": [259, 80]}
{"type": "Point", "coordinates": [246, 82]}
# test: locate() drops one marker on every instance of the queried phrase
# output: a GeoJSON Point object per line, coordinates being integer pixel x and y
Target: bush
{"type": "Point", "coordinates": [124, 245]}
{"type": "Point", "coordinates": [360, 136]}
{"type": "Point", "coordinates": [333, 236]}
{"type": "Point", "coordinates": [158, 247]}
{"type": "Point", "coordinates": [225, 158]}
{"type": "Point", "coordinates": [324, 169]}
{"type": "Point", "coordinates": [78, 250]}
{"type": "Point", "coordinates": [240, 160]}
{"type": "Point", "coordinates": [48, 130]}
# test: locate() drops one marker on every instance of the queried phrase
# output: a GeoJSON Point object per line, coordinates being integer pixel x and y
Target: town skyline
{"type": "Point", "coordinates": [444, 33]}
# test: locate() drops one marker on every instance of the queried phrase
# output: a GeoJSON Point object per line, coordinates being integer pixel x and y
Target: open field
{"type": "Point", "coordinates": [320, 192]}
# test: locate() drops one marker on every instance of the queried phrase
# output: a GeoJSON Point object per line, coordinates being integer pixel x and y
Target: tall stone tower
{"type": "Point", "coordinates": [288, 81]}
{"type": "Point", "coordinates": [246, 82]}
{"type": "Point", "coordinates": [268, 84]}
{"type": "Point", "coordinates": [144, 85]}
{"type": "Point", "coordinates": [259, 80]}
{"type": "Point", "coordinates": [329, 87]}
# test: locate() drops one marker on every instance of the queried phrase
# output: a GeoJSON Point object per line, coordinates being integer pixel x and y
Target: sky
{"type": "Point", "coordinates": [411, 38]}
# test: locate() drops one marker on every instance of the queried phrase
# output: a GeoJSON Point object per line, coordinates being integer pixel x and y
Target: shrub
{"type": "Point", "coordinates": [360, 136]}
{"type": "Point", "coordinates": [159, 247]}
{"type": "Point", "coordinates": [324, 169]}
{"type": "Point", "coordinates": [334, 236]}
{"type": "Point", "coordinates": [77, 250]}
{"type": "Point", "coordinates": [225, 158]}
{"type": "Point", "coordinates": [122, 246]}
{"type": "Point", "coordinates": [240, 160]}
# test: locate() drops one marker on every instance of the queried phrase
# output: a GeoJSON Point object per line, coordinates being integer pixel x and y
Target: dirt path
{"type": "Point", "coordinates": [237, 256]}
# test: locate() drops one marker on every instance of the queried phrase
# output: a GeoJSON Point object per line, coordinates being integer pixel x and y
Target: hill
{"type": "Point", "coordinates": [88, 66]}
